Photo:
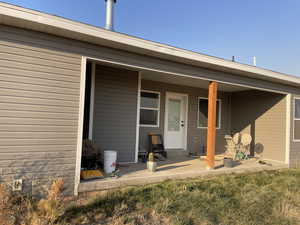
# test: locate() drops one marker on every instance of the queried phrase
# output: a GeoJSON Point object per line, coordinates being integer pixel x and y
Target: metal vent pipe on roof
{"type": "Point", "coordinates": [110, 14]}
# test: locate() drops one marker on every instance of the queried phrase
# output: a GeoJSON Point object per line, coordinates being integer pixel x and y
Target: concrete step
{"type": "Point", "coordinates": [176, 152]}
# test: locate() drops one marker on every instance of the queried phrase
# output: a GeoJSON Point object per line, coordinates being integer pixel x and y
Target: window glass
{"type": "Point", "coordinates": [203, 113]}
{"type": "Point", "coordinates": [297, 108]}
{"type": "Point", "coordinates": [149, 109]}
{"type": "Point", "coordinates": [148, 117]}
{"type": "Point", "coordinates": [149, 100]}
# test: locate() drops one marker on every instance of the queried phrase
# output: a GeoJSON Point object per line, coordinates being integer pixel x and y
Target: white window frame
{"type": "Point", "coordinates": [295, 119]}
{"type": "Point", "coordinates": [157, 109]}
{"type": "Point", "coordinates": [220, 113]}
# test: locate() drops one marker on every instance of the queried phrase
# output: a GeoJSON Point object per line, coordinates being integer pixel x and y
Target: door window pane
{"type": "Point", "coordinates": [203, 113]}
{"type": "Point", "coordinates": [174, 111]}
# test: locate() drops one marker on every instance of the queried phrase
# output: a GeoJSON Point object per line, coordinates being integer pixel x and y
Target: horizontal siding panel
{"type": "Point", "coordinates": [37, 169]}
{"type": "Point", "coordinates": [45, 76]}
{"type": "Point", "coordinates": [37, 68]}
{"type": "Point", "coordinates": [36, 128]}
{"type": "Point", "coordinates": [125, 104]}
{"type": "Point", "coordinates": [40, 92]}
{"type": "Point", "coordinates": [37, 101]}
{"type": "Point", "coordinates": [38, 115]}
{"type": "Point", "coordinates": [58, 86]}
{"type": "Point", "coordinates": [37, 108]}
{"type": "Point", "coordinates": [36, 60]}
{"type": "Point", "coordinates": [37, 156]}
{"type": "Point", "coordinates": [36, 135]}
{"type": "Point", "coordinates": [40, 142]}
{"type": "Point", "coordinates": [53, 43]}
{"type": "Point", "coordinates": [38, 176]}
{"type": "Point", "coordinates": [33, 121]}
{"type": "Point", "coordinates": [15, 48]}
{"type": "Point", "coordinates": [42, 148]}
{"type": "Point", "coordinates": [31, 40]}
{"type": "Point", "coordinates": [111, 94]}
{"type": "Point", "coordinates": [35, 163]}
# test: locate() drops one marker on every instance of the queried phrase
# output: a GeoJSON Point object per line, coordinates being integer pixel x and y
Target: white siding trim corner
{"type": "Point", "coordinates": [138, 117]}
{"type": "Point", "coordinates": [80, 125]}
{"type": "Point", "coordinates": [92, 101]}
{"type": "Point", "coordinates": [288, 129]}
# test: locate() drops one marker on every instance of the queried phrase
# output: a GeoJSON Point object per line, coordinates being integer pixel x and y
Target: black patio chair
{"type": "Point", "coordinates": [156, 145]}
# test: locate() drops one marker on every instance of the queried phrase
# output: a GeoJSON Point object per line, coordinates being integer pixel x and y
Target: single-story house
{"type": "Point", "coordinates": [63, 81]}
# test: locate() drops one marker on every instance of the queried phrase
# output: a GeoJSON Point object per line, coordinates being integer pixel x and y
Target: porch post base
{"type": "Point", "coordinates": [210, 168]}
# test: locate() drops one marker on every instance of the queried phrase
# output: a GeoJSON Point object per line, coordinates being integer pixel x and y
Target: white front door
{"type": "Point", "coordinates": [175, 121]}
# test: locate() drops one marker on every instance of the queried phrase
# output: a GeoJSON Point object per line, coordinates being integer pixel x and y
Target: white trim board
{"type": "Point", "coordinates": [80, 124]}
{"type": "Point", "coordinates": [137, 138]}
{"type": "Point", "coordinates": [288, 129]}
{"type": "Point", "coordinates": [92, 101]}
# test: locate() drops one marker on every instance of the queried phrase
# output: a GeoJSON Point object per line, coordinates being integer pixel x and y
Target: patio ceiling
{"type": "Point", "coordinates": [186, 81]}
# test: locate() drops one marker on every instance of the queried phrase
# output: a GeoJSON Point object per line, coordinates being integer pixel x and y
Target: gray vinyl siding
{"type": "Point", "coordinates": [116, 111]}
{"type": "Point", "coordinates": [196, 137]}
{"type": "Point", "coordinates": [263, 115]}
{"type": "Point", "coordinates": [39, 105]}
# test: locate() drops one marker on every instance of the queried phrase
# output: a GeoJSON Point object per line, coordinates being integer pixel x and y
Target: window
{"type": "Point", "coordinates": [297, 119]}
{"type": "Point", "coordinates": [203, 113]}
{"type": "Point", "coordinates": [149, 109]}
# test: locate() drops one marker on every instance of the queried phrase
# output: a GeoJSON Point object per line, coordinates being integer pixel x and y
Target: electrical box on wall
{"type": "Point", "coordinates": [17, 185]}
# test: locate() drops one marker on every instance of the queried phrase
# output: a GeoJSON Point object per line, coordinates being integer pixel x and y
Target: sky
{"type": "Point", "coordinates": [267, 29]}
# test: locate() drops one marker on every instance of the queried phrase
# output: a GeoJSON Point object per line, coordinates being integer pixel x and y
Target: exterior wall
{"type": "Point", "coordinates": [39, 106]}
{"type": "Point", "coordinates": [263, 115]}
{"type": "Point", "coordinates": [196, 136]}
{"type": "Point", "coordinates": [116, 111]}
{"type": "Point", "coordinates": [294, 145]}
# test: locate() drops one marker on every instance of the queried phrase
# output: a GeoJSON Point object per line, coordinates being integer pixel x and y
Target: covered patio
{"type": "Point", "coordinates": [193, 116]}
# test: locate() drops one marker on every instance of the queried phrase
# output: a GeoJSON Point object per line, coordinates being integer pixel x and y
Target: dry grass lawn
{"type": "Point", "coordinates": [246, 199]}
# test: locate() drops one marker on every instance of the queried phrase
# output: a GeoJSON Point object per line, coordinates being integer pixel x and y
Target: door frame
{"type": "Point", "coordinates": [186, 96]}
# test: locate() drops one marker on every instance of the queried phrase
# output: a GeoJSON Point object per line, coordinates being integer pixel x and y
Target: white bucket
{"type": "Point", "coordinates": [110, 161]}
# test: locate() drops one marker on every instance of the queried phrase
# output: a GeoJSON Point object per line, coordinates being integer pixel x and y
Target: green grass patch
{"type": "Point", "coordinates": [254, 199]}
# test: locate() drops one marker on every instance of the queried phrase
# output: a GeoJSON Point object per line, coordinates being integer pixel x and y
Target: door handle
{"type": "Point", "coordinates": [182, 123]}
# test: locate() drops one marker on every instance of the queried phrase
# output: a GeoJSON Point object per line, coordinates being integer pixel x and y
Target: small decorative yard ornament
{"type": "Point", "coordinates": [151, 164]}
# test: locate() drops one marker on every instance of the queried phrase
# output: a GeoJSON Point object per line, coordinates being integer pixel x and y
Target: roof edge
{"type": "Point", "coordinates": [129, 43]}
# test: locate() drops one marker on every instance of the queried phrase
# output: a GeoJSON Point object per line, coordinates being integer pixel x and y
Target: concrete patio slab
{"type": "Point", "coordinates": [182, 167]}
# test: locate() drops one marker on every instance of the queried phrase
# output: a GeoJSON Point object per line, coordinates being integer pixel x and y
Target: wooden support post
{"type": "Point", "coordinates": [211, 124]}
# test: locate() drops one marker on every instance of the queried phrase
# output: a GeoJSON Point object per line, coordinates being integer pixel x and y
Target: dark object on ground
{"type": "Point", "coordinates": [264, 163]}
{"type": "Point", "coordinates": [91, 156]}
{"type": "Point", "coordinates": [156, 145]}
{"type": "Point", "coordinates": [228, 162]}
{"type": "Point", "coordinates": [143, 156]}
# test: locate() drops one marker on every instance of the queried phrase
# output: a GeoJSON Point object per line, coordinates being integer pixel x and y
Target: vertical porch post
{"type": "Point", "coordinates": [211, 125]}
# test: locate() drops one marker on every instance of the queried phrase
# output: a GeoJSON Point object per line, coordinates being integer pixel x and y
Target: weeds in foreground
{"type": "Point", "coordinates": [264, 198]}
{"type": "Point", "coordinates": [17, 209]}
